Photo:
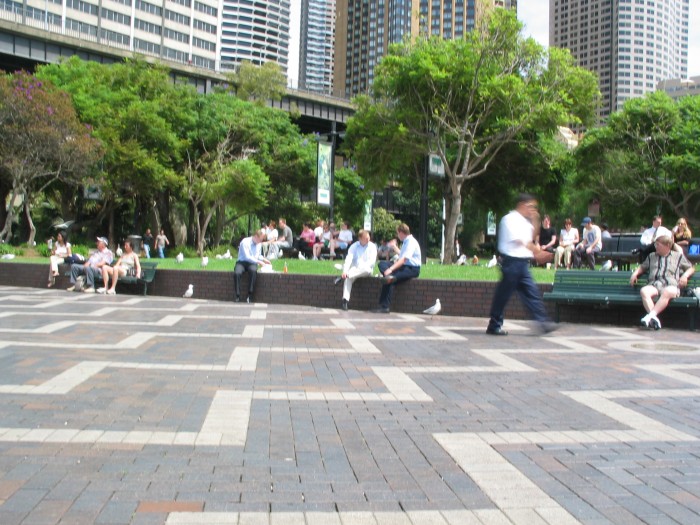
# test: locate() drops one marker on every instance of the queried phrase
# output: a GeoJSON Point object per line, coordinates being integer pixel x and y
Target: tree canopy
{"type": "Point", "coordinates": [646, 156]}
{"type": "Point", "coordinates": [464, 100]}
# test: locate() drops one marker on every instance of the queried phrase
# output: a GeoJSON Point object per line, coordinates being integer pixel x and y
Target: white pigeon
{"type": "Point", "coordinates": [301, 256]}
{"type": "Point", "coordinates": [493, 262]}
{"type": "Point", "coordinates": [8, 256]}
{"type": "Point", "coordinates": [205, 261]}
{"type": "Point", "coordinates": [190, 292]}
{"type": "Point", "coordinates": [338, 266]}
{"type": "Point", "coordinates": [435, 309]}
{"type": "Point", "coordinates": [227, 255]}
{"type": "Point", "coordinates": [219, 256]}
{"type": "Point", "coordinates": [462, 260]}
{"type": "Point", "coordinates": [179, 258]}
{"type": "Point", "coordinates": [607, 266]}
{"type": "Point", "coordinates": [119, 251]}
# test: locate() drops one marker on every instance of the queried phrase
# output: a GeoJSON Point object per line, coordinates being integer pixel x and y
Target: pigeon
{"type": "Point", "coordinates": [301, 256]}
{"type": "Point", "coordinates": [462, 260]}
{"type": "Point", "coordinates": [607, 266]}
{"type": "Point", "coordinates": [8, 256]}
{"type": "Point", "coordinates": [219, 256]}
{"type": "Point", "coordinates": [435, 309]}
{"type": "Point", "coordinates": [475, 261]}
{"type": "Point", "coordinates": [179, 258]}
{"type": "Point", "coordinates": [493, 262]}
{"type": "Point", "coordinates": [189, 292]}
{"type": "Point", "coordinates": [205, 261]}
{"type": "Point", "coordinates": [119, 251]}
{"type": "Point", "coordinates": [227, 255]}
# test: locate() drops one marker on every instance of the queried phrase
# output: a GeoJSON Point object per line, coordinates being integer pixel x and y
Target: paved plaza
{"type": "Point", "coordinates": [150, 410]}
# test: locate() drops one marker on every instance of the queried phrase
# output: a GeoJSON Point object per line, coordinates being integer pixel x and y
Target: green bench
{"type": "Point", "coordinates": [606, 289]}
{"type": "Point", "coordinates": [148, 273]}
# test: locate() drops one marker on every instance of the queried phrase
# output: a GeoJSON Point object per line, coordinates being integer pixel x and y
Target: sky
{"type": "Point", "coordinates": [535, 15]}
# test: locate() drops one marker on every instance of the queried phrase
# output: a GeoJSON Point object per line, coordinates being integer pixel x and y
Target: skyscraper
{"type": "Point", "coordinates": [316, 46]}
{"type": "Point", "coordinates": [365, 28]}
{"type": "Point", "coordinates": [255, 31]}
{"type": "Point", "coordinates": [630, 44]}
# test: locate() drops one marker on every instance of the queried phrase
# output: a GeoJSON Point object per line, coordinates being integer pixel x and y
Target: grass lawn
{"type": "Point", "coordinates": [432, 270]}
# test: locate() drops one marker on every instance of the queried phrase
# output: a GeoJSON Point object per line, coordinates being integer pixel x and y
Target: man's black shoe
{"type": "Point", "coordinates": [388, 279]}
{"type": "Point", "coordinates": [249, 299]}
{"type": "Point", "coordinates": [381, 310]}
{"type": "Point", "coordinates": [496, 331]}
{"type": "Point", "coordinates": [344, 305]}
{"type": "Point", "coordinates": [337, 280]}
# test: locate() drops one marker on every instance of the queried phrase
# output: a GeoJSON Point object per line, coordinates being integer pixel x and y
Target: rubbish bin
{"type": "Point", "coordinates": [135, 241]}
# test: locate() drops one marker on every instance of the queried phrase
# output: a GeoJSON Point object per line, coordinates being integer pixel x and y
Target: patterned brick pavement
{"type": "Point", "coordinates": [150, 410]}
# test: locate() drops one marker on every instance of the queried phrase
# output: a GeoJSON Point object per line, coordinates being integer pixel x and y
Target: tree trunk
{"type": "Point", "coordinates": [6, 233]}
{"type": "Point", "coordinates": [30, 222]}
{"type": "Point", "coordinates": [453, 207]}
{"type": "Point", "coordinates": [220, 219]}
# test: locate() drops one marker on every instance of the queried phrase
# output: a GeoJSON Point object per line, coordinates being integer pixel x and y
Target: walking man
{"type": "Point", "coordinates": [516, 234]}
{"type": "Point", "coordinates": [249, 258]}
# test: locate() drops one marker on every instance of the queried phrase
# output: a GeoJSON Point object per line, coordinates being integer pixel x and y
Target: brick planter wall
{"type": "Point", "coordinates": [458, 298]}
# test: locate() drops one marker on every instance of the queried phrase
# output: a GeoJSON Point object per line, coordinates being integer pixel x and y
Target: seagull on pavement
{"type": "Point", "coordinates": [435, 309]}
{"type": "Point", "coordinates": [189, 292]}
{"type": "Point", "coordinates": [179, 258]}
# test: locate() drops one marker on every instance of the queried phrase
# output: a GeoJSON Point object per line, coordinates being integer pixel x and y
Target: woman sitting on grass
{"type": "Point", "coordinates": [128, 264]}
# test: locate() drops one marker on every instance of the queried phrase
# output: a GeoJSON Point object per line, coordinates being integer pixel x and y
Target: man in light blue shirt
{"type": "Point", "coordinates": [249, 258]}
{"type": "Point", "coordinates": [406, 267]}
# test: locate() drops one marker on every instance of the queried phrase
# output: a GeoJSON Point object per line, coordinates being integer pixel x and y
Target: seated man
{"type": "Point", "coordinates": [342, 240]}
{"type": "Point", "coordinates": [359, 263]}
{"type": "Point", "coordinates": [285, 239]}
{"type": "Point", "coordinates": [591, 244]}
{"type": "Point", "coordinates": [649, 236]}
{"type": "Point", "coordinates": [387, 251]}
{"type": "Point", "coordinates": [665, 279]}
{"type": "Point", "coordinates": [249, 258]}
{"type": "Point", "coordinates": [406, 267]}
{"type": "Point", "coordinates": [92, 268]}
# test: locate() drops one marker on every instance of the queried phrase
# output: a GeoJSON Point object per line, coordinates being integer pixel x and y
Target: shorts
{"type": "Point", "coordinates": [661, 286]}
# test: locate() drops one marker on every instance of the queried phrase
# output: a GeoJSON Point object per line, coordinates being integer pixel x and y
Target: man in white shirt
{"type": "Point", "coordinates": [249, 258]}
{"type": "Point", "coordinates": [406, 267]}
{"type": "Point", "coordinates": [359, 263]}
{"type": "Point", "coordinates": [516, 235]}
{"type": "Point", "coordinates": [649, 237]}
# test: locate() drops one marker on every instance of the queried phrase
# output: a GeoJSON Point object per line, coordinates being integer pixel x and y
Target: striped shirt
{"type": "Point", "coordinates": [665, 270]}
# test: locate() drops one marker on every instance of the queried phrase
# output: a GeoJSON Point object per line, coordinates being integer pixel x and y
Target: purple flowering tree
{"type": "Point", "coordinates": [41, 141]}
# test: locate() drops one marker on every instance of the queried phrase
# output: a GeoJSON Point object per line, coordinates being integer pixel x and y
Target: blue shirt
{"type": "Point", "coordinates": [248, 251]}
{"type": "Point", "coordinates": [410, 251]}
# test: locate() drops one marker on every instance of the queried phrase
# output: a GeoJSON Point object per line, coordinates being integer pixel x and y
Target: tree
{"type": "Point", "coordinates": [646, 155]}
{"type": "Point", "coordinates": [259, 83]}
{"type": "Point", "coordinates": [41, 141]}
{"type": "Point", "coordinates": [464, 100]}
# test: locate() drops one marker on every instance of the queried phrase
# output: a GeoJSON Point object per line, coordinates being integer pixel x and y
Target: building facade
{"type": "Point", "coordinates": [316, 46]}
{"type": "Point", "coordinates": [365, 29]}
{"type": "Point", "coordinates": [631, 45]}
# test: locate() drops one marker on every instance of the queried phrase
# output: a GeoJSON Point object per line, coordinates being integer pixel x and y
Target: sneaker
{"type": "Point", "coordinates": [70, 288]}
{"type": "Point", "coordinates": [655, 323]}
{"type": "Point", "coordinates": [89, 290]}
{"type": "Point", "coordinates": [111, 292]}
{"type": "Point", "coordinates": [101, 290]}
{"type": "Point", "coordinates": [644, 322]}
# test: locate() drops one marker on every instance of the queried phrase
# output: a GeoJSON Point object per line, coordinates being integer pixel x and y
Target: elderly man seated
{"type": "Point", "coordinates": [665, 279]}
{"type": "Point", "coordinates": [92, 268]}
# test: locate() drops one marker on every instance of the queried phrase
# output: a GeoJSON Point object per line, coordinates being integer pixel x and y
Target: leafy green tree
{"type": "Point", "coordinates": [259, 83]}
{"type": "Point", "coordinates": [41, 141]}
{"type": "Point", "coordinates": [138, 114]}
{"type": "Point", "coordinates": [384, 225]}
{"type": "Point", "coordinates": [646, 157]}
{"type": "Point", "coordinates": [349, 196]}
{"type": "Point", "coordinates": [465, 100]}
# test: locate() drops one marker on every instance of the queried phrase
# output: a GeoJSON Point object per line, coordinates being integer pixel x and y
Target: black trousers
{"type": "Point", "coordinates": [404, 273]}
{"type": "Point", "coordinates": [252, 269]}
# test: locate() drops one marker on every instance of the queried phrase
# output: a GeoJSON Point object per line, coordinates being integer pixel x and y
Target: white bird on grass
{"type": "Point", "coordinates": [8, 256]}
{"type": "Point", "coordinates": [607, 266]}
{"type": "Point", "coordinates": [338, 266]}
{"type": "Point", "coordinates": [301, 256]}
{"type": "Point", "coordinates": [189, 292]}
{"type": "Point", "coordinates": [493, 262]}
{"type": "Point", "coordinates": [205, 261]}
{"type": "Point", "coordinates": [462, 260]}
{"type": "Point", "coordinates": [179, 258]}
{"type": "Point", "coordinates": [435, 309]}
{"type": "Point", "coordinates": [227, 255]}
{"type": "Point", "coordinates": [119, 251]}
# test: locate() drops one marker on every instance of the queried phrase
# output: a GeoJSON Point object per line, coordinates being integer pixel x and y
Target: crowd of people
{"type": "Point", "coordinates": [522, 238]}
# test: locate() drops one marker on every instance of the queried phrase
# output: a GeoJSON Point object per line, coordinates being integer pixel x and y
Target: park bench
{"type": "Point", "coordinates": [148, 273]}
{"type": "Point", "coordinates": [607, 289]}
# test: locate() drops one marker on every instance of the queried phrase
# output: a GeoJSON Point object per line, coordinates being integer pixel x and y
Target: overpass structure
{"type": "Point", "coordinates": [26, 40]}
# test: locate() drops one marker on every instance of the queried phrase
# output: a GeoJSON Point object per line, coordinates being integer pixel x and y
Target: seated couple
{"type": "Point", "coordinates": [127, 264]}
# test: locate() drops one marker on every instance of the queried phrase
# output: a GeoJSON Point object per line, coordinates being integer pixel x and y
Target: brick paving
{"type": "Point", "coordinates": [155, 410]}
